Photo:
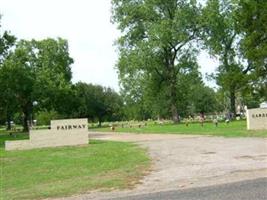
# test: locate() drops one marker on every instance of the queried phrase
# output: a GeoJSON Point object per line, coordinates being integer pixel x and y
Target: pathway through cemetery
{"type": "Point", "coordinates": [183, 161]}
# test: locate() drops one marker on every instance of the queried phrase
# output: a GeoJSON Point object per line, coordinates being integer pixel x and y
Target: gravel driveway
{"type": "Point", "coordinates": [184, 161]}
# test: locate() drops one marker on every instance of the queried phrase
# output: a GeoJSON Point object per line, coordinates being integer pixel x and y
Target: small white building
{"type": "Point", "coordinates": [263, 104]}
{"type": "Point", "coordinates": [257, 117]}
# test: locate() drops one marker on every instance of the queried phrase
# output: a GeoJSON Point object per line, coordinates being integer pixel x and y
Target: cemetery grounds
{"type": "Point", "coordinates": [111, 165]}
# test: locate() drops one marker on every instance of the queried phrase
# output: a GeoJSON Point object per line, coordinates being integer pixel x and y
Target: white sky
{"type": "Point", "coordinates": [87, 27]}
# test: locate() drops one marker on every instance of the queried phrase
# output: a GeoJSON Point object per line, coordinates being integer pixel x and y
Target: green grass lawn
{"type": "Point", "coordinates": [233, 129]}
{"type": "Point", "coordinates": [64, 171]}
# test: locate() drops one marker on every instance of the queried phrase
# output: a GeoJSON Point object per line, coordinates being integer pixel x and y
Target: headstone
{"type": "Point", "coordinates": [257, 119]}
{"type": "Point", "coordinates": [62, 133]}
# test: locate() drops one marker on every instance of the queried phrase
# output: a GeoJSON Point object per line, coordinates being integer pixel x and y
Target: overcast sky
{"type": "Point", "coordinates": [87, 27]}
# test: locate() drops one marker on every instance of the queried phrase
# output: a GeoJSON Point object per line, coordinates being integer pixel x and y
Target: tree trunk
{"type": "Point", "coordinates": [175, 116]}
{"type": "Point", "coordinates": [25, 121]}
{"type": "Point", "coordinates": [172, 83]}
{"type": "Point", "coordinates": [99, 121]}
{"type": "Point", "coordinates": [27, 111]}
{"type": "Point", "coordinates": [26, 117]}
{"type": "Point", "coordinates": [8, 122]}
{"type": "Point", "coordinates": [173, 99]}
{"type": "Point", "coordinates": [232, 102]}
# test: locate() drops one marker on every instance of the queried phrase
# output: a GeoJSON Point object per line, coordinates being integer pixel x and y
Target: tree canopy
{"type": "Point", "coordinates": [160, 41]}
{"type": "Point", "coordinates": [157, 66]}
{"type": "Point", "coordinates": [252, 24]}
{"type": "Point", "coordinates": [35, 71]}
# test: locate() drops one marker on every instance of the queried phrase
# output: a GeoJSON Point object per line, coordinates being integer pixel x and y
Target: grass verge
{"type": "Point", "coordinates": [233, 129]}
{"type": "Point", "coordinates": [64, 171]}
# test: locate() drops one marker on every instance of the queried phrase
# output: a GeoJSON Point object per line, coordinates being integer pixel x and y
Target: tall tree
{"type": "Point", "coordinates": [6, 42]}
{"type": "Point", "coordinates": [7, 100]}
{"type": "Point", "coordinates": [252, 23]}
{"type": "Point", "coordinates": [157, 44]}
{"type": "Point", "coordinates": [222, 39]}
{"type": "Point", "coordinates": [19, 81]}
{"type": "Point", "coordinates": [51, 63]}
{"type": "Point", "coordinates": [39, 71]}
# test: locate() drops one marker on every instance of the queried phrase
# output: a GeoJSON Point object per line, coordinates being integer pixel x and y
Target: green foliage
{"type": "Point", "coordinates": [17, 80]}
{"type": "Point", "coordinates": [36, 71]}
{"type": "Point", "coordinates": [7, 102]}
{"type": "Point", "coordinates": [44, 117]}
{"type": "Point", "coordinates": [156, 51]}
{"type": "Point", "coordinates": [221, 37]}
{"type": "Point", "coordinates": [51, 63]}
{"type": "Point", "coordinates": [40, 71]}
{"type": "Point", "coordinates": [158, 69]}
{"type": "Point", "coordinates": [95, 101]}
{"type": "Point", "coordinates": [6, 42]}
{"type": "Point", "coordinates": [252, 23]}
{"type": "Point", "coordinates": [203, 100]}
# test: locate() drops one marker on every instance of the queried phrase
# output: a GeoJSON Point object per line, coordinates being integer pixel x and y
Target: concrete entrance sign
{"type": "Point", "coordinates": [257, 119]}
{"type": "Point", "coordinates": [62, 133]}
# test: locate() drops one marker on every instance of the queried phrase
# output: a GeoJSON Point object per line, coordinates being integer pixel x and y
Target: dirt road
{"type": "Point", "coordinates": [183, 161]}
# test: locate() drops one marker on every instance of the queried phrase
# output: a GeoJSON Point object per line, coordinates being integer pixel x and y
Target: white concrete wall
{"type": "Point", "coordinates": [54, 137]}
{"type": "Point", "coordinates": [257, 119]}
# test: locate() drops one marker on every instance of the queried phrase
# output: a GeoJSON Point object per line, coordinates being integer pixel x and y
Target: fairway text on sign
{"type": "Point", "coordinates": [69, 127]}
